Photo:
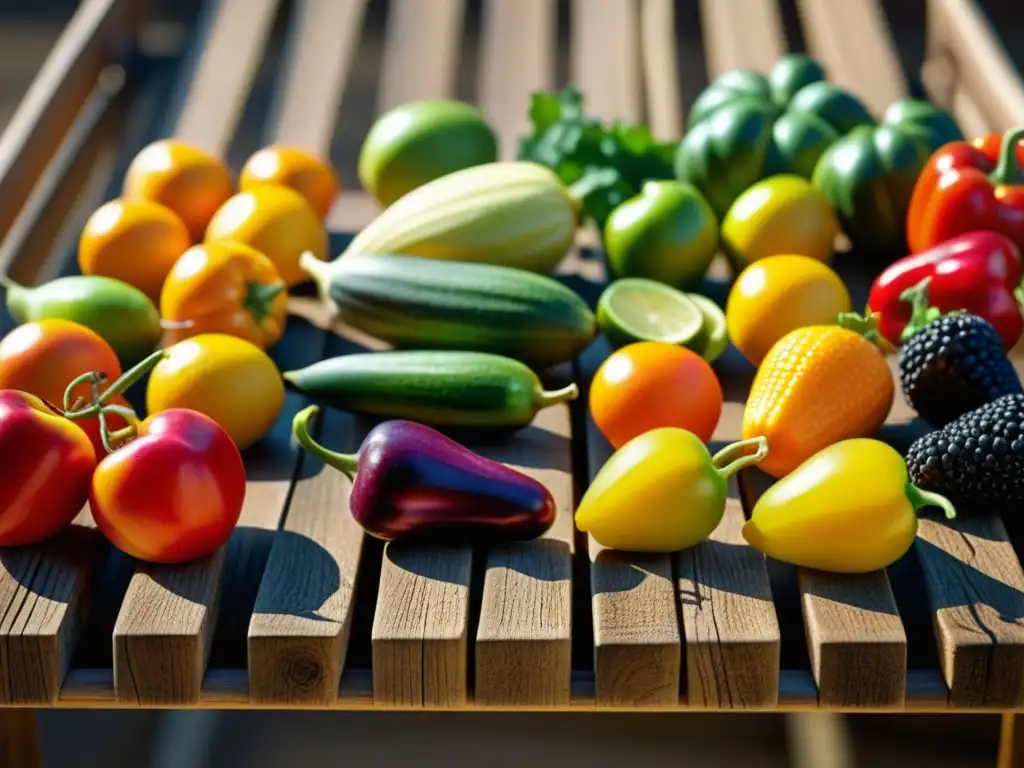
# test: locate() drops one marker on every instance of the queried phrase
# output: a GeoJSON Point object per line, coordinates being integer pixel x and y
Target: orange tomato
{"type": "Point", "coordinates": [135, 241]}
{"type": "Point", "coordinates": [310, 176]}
{"type": "Point", "coordinates": [43, 357]}
{"type": "Point", "coordinates": [225, 288]}
{"type": "Point", "coordinates": [651, 384]}
{"type": "Point", "coordinates": [189, 181]}
{"type": "Point", "coordinates": [276, 221]}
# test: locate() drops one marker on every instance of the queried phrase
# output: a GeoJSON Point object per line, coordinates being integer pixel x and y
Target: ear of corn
{"type": "Point", "coordinates": [817, 385]}
{"type": "Point", "coordinates": [516, 214]}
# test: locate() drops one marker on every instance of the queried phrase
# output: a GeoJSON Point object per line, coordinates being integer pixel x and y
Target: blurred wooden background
{"type": "Point", "coordinates": [28, 28]}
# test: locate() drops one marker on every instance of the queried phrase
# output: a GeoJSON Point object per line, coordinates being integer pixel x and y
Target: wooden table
{"type": "Point", "coordinates": [300, 609]}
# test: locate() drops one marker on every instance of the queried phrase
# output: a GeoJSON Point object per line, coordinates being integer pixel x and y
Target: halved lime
{"type": "Point", "coordinates": [637, 309]}
{"type": "Point", "coordinates": [716, 336]}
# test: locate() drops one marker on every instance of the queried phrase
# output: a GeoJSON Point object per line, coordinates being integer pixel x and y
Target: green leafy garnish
{"type": "Point", "coordinates": [602, 165]}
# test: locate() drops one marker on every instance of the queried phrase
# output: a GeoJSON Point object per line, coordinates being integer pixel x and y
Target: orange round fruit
{"type": "Point", "coordinates": [134, 241]}
{"type": "Point", "coordinates": [189, 181]}
{"type": "Point", "coordinates": [276, 221]}
{"type": "Point", "coordinates": [310, 176]}
{"type": "Point", "coordinates": [651, 384]}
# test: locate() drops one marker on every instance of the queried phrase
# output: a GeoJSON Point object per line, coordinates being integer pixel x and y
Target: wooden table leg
{"type": "Point", "coordinates": [19, 739]}
{"type": "Point", "coordinates": [1011, 742]}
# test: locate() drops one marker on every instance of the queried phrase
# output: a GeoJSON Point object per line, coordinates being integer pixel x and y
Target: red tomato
{"type": "Point", "coordinates": [650, 384]}
{"type": "Point", "coordinates": [47, 463]}
{"type": "Point", "coordinates": [172, 494]}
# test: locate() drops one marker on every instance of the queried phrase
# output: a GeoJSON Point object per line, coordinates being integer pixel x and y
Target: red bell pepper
{"type": "Point", "coordinates": [47, 461]}
{"type": "Point", "coordinates": [967, 186]}
{"type": "Point", "coordinates": [978, 272]}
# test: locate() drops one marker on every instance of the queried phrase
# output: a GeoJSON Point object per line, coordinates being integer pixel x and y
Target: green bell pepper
{"type": "Point", "coordinates": [868, 176]}
{"type": "Point", "coordinates": [745, 127]}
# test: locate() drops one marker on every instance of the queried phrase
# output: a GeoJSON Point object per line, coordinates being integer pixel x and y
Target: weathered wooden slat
{"type": "Point", "coordinates": [661, 76]}
{"type": "Point", "coordinates": [741, 34]}
{"type": "Point", "coordinates": [517, 58]}
{"type": "Point", "coordinates": [55, 98]}
{"type": "Point", "coordinates": [975, 588]}
{"type": "Point", "coordinates": [220, 85]}
{"type": "Point", "coordinates": [421, 51]}
{"type": "Point", "coordinates": [962, 45]}
{"type": "Point", "coordinates": [852, 40]}
{"type": "Point", "coordinates": [322, 43]}
{"type": "Point", "coordinates": [729, 622]}
{"type": "Point", "coordinates": [605, 58]}
{"type": "Point", "coordinates": [421, 623]}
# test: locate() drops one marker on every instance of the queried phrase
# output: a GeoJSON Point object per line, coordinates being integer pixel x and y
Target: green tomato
{"type": "Point", "coordinates": [666, 233]}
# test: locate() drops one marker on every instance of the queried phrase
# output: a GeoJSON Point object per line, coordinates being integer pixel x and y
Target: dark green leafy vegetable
{"type": "Point", "coordinates": [602, 164]}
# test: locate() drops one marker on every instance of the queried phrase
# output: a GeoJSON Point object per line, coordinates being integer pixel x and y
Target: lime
{"type": "Point", "coordinates": [716, 335]}
{"type": "Point", "coordinates": [637, 309]}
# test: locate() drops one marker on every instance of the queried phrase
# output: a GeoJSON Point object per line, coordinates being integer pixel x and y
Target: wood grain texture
{"type": "Point", "coordinates": [421, 51]}
{"type": "Point", "coordinates": [852, 40]}
{"type": "Point", "coordinates": [298, 636]}
{"type": "Point", "coordinates": [517, 58]}
{"type": "Point", "coordinates": [20, 746]}
{"type": "Point", "coordinates": [605, 58]}
{"type": "Point", "coordinates": [855, 637]}
{"type": "Point", "coordinates": [322, 40]}
{"type": "Point", "coordinates": [56, 96]}
{"type": "Point", "coordinates": [741, 34]}
{"type": "Point", "coordinates": [975, 589]}
{"type": "Point", "coordinates": [220, 85]}
{"type": "Point", "coordinates": [421, 626]}
{"type": "Point", "coordinates": [959, 32]}
{"type": "Point", "coordinates": [524, 637]}
{"type": "Point", "coordinates": [729, 623]}
{"type": "Point", "coordinates": [660, 68]}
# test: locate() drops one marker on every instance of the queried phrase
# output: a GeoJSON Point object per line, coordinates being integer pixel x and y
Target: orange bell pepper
{"type": "Point", "coordinates": [224, 287]}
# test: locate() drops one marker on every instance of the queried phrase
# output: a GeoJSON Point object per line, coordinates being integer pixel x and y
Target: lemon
{"type": "Point", "coordinates": [637, 309]}
{"type": "Point", "coordinates": [229, 379]}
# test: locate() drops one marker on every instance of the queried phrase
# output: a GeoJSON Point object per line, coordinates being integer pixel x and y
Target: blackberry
{"type": "Point", "coordinates": [976, 460]}
{"type": "Point", "coordinates": [954, 364]}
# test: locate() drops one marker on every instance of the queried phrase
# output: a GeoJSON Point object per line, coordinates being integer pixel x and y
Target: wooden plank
{"type": "Point", "coordinates": [729, 621]}
{"type": "Point", "coordinates": [421, 51]}
{"type": "Point", "coordinates": [741, 34]}
{"type": "Point", "coordinates": [517, 49]}
{"type": "Point", "coordinates": [975, 589]}
{"type": "Point", "coordinates": [959, 34]}
{"type": "Point", "coordinates": [20, 744]}
{"type": "Point", "coordinates": [524, 637]}
{"type": "Point", "coordinates": [322, 41]}
{"type": "Point", "coordinates": [606, 58]}
{"type": "Point", "coordinates": [661, 74]}
{"type": "Point", "coordinates": [55, 98]}
{"type": "Point", "coordinates": [421, 622]}
{"type": "Point", "coordinates": [852, 41]}
{"type": "Point", "coordinates": [220, 85]}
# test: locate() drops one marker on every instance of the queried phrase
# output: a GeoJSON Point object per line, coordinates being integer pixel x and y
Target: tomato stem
{"type": "Point", "coordinates": [100, 401]}
{"type": "Point", "coordinates": [734, 457]}
{"type": "Point", "coordinates": [920, 498]}
{"type": "Point", "coordinates": [347, 463]}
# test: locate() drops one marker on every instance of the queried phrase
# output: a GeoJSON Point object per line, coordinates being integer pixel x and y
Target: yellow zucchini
{"type": "Point", "coordinates": [516, 214]}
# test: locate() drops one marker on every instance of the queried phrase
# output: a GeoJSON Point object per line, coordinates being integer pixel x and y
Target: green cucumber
{"type": "Point", "coordinates": [441, 388]}
{"type": "Point", "coordinates": [417, 303]}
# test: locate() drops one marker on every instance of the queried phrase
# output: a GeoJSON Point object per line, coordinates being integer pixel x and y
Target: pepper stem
{"type": "Point", "coordinates": [545, 398]}
{"type": "Point", "coordinates": [866, 326]}
{"type": "Point", "coordinates": [921, 313]}
{"type": "Point", "coordinates": [1008, 170]}
{"type": "Point", "coordinates": [345, 462]}
{"type": "Point", "coordinates": [919, 498]}
{"type": "Point", "coordinates": [734, 457]}
{"type": "Point", "coordinates": [259, 297]}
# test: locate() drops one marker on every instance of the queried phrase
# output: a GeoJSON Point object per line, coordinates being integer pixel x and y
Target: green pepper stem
{"type": "Point", "coordinates": [259, 297]}
{"type": "Point", "coordinates": [545, 398]}
{"type": "Point", "coordinates": [919, 498]}
{"type": "Point", "coordinates": [866, 326]}
{"type": "Point", "coordinates": [1008, 171]}
{"type": "Point", "coordinates": [734, 457]}
{"type": "Point", "coordinates": [347, 463]}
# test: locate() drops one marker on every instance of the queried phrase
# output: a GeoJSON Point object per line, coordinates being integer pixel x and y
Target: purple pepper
{"type": "Point", "coordinates": [412, 481]}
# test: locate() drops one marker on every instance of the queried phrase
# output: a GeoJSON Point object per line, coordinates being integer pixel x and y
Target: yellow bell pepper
{"type": "Point", "coordinates": [850, 508]}
{"type": "Point", "coordinates": [662, 491]}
